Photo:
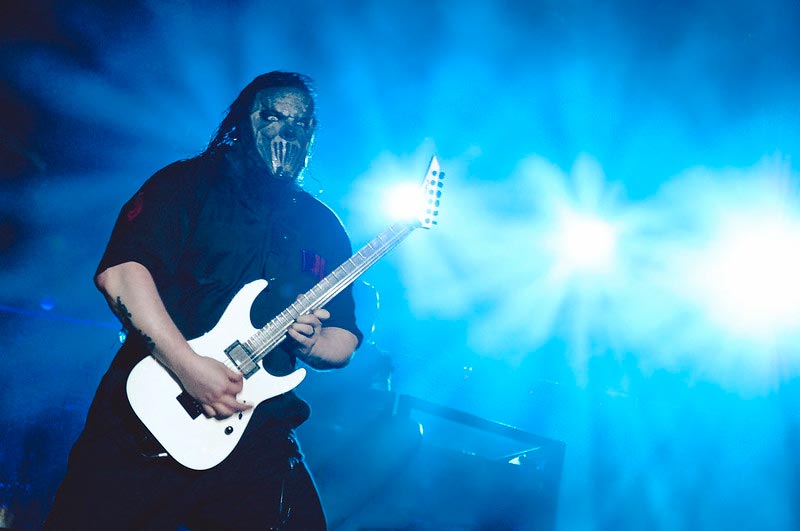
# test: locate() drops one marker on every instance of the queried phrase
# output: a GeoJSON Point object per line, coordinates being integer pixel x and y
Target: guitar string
{"type": "Point", "coordinates": [397, 233]}
{"type": "Point", "coordinates": [263, 345]}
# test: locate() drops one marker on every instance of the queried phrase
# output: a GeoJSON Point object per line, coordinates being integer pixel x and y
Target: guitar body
{"type": "Point", "coordinates": [196, 441]}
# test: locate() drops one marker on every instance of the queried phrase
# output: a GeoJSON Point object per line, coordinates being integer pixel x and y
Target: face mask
{"type": "Point", "coordinates": [286, 159]}
{"type": "Point", "coordinates": [283, 125]}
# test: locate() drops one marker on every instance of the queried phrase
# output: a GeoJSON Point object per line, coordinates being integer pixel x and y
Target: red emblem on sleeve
{"type": "Point", "coordinates": [136, 206]}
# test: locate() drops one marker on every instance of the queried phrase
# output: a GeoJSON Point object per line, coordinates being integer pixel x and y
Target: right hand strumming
{"type": "Point", "coordinates": [214, 385]}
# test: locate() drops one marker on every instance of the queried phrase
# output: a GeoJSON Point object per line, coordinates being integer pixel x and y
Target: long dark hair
{"type": "Point", "coordinates": [234, 130]}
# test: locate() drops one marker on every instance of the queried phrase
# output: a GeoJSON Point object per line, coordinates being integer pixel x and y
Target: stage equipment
{"type": "Point", "coordinates": [388, 461]}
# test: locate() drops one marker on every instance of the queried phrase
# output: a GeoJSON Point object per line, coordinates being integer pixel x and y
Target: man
{"type": "Point", "coordinates": [195, 233]}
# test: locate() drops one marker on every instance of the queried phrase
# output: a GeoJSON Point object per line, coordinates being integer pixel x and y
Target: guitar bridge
{"type": "Point", "coordinates": [242, 357]}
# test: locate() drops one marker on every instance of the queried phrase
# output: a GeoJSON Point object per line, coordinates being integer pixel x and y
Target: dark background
{"type": "Point", "coordinates": [670, 118]}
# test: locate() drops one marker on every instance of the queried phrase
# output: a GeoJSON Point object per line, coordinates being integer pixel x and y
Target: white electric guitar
{"type": "Point", "coordinates": [177, 420]}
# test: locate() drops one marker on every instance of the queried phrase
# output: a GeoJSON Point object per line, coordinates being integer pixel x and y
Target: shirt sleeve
{"type": "Point", "coordinates": [152, 226]}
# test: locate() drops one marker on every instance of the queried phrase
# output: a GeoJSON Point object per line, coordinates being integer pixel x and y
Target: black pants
{"type": "Point", "coordinates": [110, 484]}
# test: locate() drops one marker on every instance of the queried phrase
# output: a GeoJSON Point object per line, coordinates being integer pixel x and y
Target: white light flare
{"type": "Point", "coordinates": [403, 201]}
{"type": "Point", "coordinates": [751, 277]}
{"type": "Point", "coordinates": [584, 244]}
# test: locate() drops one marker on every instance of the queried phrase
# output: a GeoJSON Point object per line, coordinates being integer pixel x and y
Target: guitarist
{"type": "Point", "coordinates": [193, 235]}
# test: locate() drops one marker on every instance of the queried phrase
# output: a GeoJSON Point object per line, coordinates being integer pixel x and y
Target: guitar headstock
{"type": "Point", "coordinates": [431, 194]}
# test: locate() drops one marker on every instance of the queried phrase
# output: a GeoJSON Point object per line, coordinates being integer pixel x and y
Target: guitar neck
{"type": "Point", "coordinates": [274, 332]}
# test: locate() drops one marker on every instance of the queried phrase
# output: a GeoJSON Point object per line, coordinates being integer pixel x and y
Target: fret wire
{"type": "Point", "coordinates": [379, 247]}
{"type": "Point", "coordinates": [363, 267]}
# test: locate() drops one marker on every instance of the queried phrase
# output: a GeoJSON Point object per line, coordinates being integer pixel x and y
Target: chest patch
{"type": "Point", "coordinates": [313, 263]}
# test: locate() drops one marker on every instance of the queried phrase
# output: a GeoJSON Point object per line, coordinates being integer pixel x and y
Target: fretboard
{"type": "Point", "coordinates": [273, 333]}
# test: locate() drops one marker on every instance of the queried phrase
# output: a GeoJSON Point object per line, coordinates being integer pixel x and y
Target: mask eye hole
{"type": "Point", "coordinates": [268, 116]}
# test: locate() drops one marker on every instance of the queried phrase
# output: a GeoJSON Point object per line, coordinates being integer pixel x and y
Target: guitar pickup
{"type": "Point", "coordinates": [242, 357]}
{"type": "Point", "coordinates": [192, 406]}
